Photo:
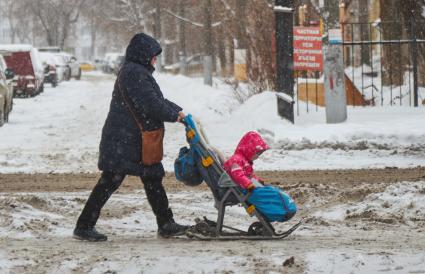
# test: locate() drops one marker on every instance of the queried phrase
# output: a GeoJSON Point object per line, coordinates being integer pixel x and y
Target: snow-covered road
{"type": "Point", "coordinates": [59, 130]}
{"type": "Point", "coordinates": [380, 234]}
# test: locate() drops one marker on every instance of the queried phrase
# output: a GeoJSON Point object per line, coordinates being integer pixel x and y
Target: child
{"type": "Point", "coordinates": [240, 165]}
{"type": "Point", "coordinates": [273, 203]}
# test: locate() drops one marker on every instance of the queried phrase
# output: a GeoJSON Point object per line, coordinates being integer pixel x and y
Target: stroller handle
{"type": "Point", "coordinates": [188, 121]}
{"type": "Point", "coordinates": [194, 125]}
{"type": "Point", "coordinates": [183, 121]}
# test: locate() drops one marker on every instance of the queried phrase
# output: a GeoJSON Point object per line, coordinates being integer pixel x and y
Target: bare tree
{"type": "Point", "coordinates": [397, 20]}
{"type": "Point", "coordinates": [20, 23]}
{"type": "Point", "coordinates": [133, 14]}
{"type": "Point", "coordinates": [56, 18]}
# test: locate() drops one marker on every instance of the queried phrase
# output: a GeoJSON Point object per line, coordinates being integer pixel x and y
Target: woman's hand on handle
{"type": "Point", "coordinates": [180, 117]}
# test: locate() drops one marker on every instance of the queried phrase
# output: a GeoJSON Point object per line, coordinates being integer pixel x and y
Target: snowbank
{"type": "Point", "coordinates": [399, 203]}
{"type": "Point", "coordinates": [59, 131]}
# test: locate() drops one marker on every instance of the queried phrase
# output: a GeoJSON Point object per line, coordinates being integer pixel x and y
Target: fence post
{"type": "Point", "coordinates": [414, 55]}
{"type": "Point", "coordinates": [284, 11]}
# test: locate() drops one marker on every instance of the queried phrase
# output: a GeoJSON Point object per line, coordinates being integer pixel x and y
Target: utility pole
{"type": "Point", "coordinates": [334, 75]}
{"type": "Point", "coordinates": [284, 14]}
{"type": "Point", "coordinates": [414, 55]}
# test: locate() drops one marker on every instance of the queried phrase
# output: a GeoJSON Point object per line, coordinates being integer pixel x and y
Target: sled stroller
{"type": "Point", "coordinates": [203, 163]}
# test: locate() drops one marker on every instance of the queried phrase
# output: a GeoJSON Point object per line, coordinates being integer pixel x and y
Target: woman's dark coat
{"type": "Point", "coordinates": [120, 146]}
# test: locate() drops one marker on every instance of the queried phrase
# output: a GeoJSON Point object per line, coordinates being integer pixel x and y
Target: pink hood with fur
{"type": "Point", "coordinates": [240, 165]}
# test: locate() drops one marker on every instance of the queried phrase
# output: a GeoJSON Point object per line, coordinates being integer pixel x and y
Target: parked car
{"type": "Point", "coordinates": [6, 91]}
{"type": "Point", "coordinates": [87, 66]}
{"type": "Point", "coordinates": [63, 63]}
{"type": "Point", "coordinates": [62, 68]}
{"type": "Point", "coordinates": [62, 60]}
{"type": "Point", "coordinates": [53, 73]}
{"type": "Point", "coordinates": [27, 67]}
{"type": "Point", "coordinates": [113, 62]}
{"type": "Point", "coordinates": [74, 65]}
{"type": "Point", "coordinates": [100, 64]}
{"type": "Point", "coordinates": [194, 65]}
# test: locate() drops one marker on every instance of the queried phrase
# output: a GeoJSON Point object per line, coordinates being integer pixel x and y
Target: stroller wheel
{"type": "Point", "coordinates": [257, 229]}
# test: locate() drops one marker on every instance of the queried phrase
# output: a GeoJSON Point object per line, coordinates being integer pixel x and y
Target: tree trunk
{"type": "Point", "coordinates": [93, 35]}
{"type": "Point", "coordinates": [392, 55]}
{"type": "Point", "coordinates": [331, 13]}
{"type": "Point", "coordinates": [365, 31]}
{"type": "Point", "coordinates": [182, 38]}
{"type": "Point", "coordinates": [240, 24]}
{"type": "Point", "coordinates": [157, 31]}
{"type": "Point", "coordinates": [412, 14]}
{"type": "Point", "coordinates": [221, 51]}
{"type": "Point", "coordinates": [208, 42]}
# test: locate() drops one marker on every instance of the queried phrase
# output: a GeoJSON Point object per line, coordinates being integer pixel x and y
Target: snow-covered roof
{"type": "Point", "coordinates": [16, 47]}
{"type": "Point", "coordinates": [48, 57]}
{"type": "Point", "coordinates": [37, 64]}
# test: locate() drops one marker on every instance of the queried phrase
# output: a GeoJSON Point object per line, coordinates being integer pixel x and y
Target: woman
{"type": "Point", "coordinates": [137, 103]}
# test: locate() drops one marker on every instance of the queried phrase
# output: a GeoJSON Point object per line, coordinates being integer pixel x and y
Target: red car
{"type": "Point", "coordinates": [29, 72]}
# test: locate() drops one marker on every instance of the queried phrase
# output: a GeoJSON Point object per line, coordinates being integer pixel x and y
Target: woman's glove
{"type": "Point", "coordinates": [180, 117]}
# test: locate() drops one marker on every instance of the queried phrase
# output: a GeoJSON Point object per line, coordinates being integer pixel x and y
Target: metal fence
{"type": "Point", "coordinates": [309, 91]}
{"type": "Point", "coordinates": [384, 63]}
{"type": "Point", "coordinates": [384, 66]}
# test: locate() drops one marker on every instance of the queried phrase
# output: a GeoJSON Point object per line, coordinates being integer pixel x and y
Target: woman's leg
{"type": "Point", "coordinates": [107, 184]}
{"type": "Point", "coordinates": [158, 199]}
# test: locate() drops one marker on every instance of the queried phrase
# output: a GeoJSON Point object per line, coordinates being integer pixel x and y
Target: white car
{"type": "Point", "coordinates": [54, 68]}
{"type": "Point", "coordinates": [74, 65]}
{"type": "Point", "coordinates": [113, 62]}
{"type": "Point", "coordinates": [6, 91]}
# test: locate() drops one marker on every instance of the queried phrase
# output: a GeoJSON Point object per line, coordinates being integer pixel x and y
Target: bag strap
{"type": "Point", "coordinates": [127, 103]}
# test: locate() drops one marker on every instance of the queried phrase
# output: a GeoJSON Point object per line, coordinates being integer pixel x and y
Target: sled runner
{"type": "Point", "coordinates": [203, 163]}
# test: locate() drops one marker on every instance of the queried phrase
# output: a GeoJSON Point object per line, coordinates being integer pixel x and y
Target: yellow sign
{"type": "Point", "coordinates": [240, 67]}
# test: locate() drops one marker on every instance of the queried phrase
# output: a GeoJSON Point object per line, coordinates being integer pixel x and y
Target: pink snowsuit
{"type": "Point", "coordinates": [240, 165]}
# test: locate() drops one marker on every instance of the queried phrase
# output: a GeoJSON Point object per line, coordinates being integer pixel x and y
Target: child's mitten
{"type": "Point", "coordinates": [251, 187]}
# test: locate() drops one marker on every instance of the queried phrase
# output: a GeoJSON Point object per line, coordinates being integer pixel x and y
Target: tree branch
{"type": "Point", "coordinates": [186, 20]}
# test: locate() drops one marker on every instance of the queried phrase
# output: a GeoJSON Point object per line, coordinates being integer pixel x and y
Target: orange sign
{"type": "Point", "coordinates": [308, 54]}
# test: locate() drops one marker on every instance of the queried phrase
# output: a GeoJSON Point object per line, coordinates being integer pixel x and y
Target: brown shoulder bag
{"type": "Point", "coordinates": [151, 141]}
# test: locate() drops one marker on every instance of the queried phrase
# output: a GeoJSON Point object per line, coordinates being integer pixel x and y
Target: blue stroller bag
{"type": "Point", "coordinates": [186, 169]}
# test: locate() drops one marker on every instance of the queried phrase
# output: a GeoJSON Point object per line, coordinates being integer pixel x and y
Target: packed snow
{"type": "Point", "coordinates": [401, 203]}
{"type": "Point", "coordinates": [38, 225]}
{"type": "Point", "coordinates": [60, 130]}
{"type": "Point", "coordinates": [348, 262]}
